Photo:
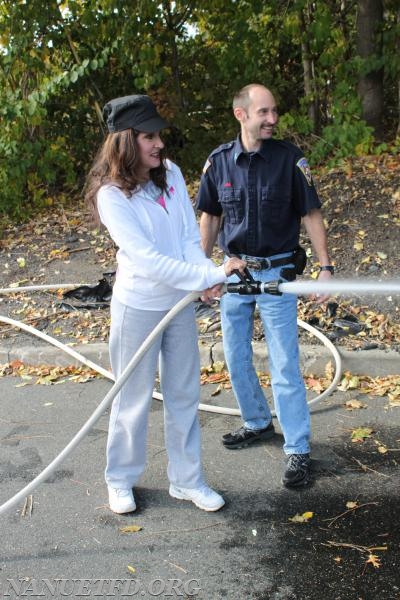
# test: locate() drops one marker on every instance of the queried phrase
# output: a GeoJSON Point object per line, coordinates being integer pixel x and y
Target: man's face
{"type": "Point", "coordinates": [261, 116]}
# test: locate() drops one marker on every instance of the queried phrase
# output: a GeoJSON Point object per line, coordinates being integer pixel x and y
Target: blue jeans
{"type": "Point", "coordinates": [279, 318]}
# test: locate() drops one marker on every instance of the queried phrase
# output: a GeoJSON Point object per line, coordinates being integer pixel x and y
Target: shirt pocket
{"type": "Point", "coordinates": [275, 204]}
{"type": "Point", "coordinates": [230, 199]}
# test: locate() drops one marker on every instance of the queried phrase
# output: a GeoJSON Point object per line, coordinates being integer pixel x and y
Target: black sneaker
{"type": "Point", "coordinates": [243, 437]}
{"type": "Point", "coordinates": [298, 471]}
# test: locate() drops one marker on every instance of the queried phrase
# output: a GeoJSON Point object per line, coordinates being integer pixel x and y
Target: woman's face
{"type": "Point", "coordinates": [149, 147]}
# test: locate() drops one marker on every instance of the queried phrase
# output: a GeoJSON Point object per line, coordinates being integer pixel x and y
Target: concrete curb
{"type": "Point", "coordinates": [314, 358]}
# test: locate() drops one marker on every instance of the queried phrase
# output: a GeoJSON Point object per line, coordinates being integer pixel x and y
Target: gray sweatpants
{"type": "Point", "coordinates": [177, 351]}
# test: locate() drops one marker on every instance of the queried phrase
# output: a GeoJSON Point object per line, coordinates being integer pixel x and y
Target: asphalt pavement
{"type": "Point", "coordinates": [337, 540]}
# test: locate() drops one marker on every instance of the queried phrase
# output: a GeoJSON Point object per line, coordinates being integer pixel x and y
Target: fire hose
{"type": "Point", "coordinates": [243, 287]}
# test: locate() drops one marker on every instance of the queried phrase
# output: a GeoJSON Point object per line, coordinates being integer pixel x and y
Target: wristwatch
{"type": "Point", "coordinates": [330, 268]}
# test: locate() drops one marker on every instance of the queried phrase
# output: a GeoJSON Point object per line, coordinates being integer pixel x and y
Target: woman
{"type": "Point", "coordinates": [142, 200]}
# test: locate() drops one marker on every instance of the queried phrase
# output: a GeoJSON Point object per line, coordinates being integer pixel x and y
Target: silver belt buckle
{"type": "Point", "coordinates": [258, 264]}
{"type": "Point", "coordinates": [253, 264]}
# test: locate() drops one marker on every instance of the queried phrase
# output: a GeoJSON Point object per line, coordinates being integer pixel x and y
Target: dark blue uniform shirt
{"type": "Point", "coordinates": [262, 196]}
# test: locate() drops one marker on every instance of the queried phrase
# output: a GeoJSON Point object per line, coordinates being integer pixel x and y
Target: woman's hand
{"type": "Point", "coordinates": [234, 264]}
{"type": "Point", "coordinates": [211, 293]}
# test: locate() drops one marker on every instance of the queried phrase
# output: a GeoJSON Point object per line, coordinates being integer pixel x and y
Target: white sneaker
{"type": "Point", "coordinates": [203, 497]}
{"type": "Point", "coordinates": [121, 501]}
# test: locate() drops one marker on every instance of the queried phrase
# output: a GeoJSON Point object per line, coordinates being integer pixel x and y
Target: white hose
{"type": "Point", "coordinates": [57, 344]}
{"type": "Point", "coordinates": [336, 356]}
{"type": "Point", "coordinates": [102, 406]}
{"type": "Point", "coordinates": [34, 288]}
{"type": "Point", "coordinates": [203, 407]}
{"type": "Point", "coordinates": [124, 376]}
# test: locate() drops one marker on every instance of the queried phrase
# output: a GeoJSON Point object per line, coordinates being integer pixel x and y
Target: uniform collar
{"type": "Point", "coordinates": [239, 150]}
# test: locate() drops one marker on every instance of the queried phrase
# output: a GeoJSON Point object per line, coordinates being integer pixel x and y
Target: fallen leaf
{"type": "Point", "coordinates": [130, 529]}
{"type": "Point", "coordinates": [349, 382]}
{"type": "Point", "coordinates": [360, 434]}
{"type": "Point", "coordinates": [373, 560]}
{"type": "Point", "coordinates": [217, 377]}
{"type": "Point", "coordinates": [302, 518]}
{"type": "Point", "coordinates": [382, 449]}
{"type": "Point", "coordinates": [314, 384]}
{"type": "Point", "coordinates": [131, 569]}
{"type": "Point", "coordinates": [329, 370]}
{"type": "Point", "coordinates": [16, 364]}
{"type": "Point", "coordinates": [354, 404]}
{"type": "Point", "coordinates": [218, 366]}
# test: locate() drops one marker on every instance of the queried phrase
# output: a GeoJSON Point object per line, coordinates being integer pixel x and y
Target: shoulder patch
{"type": "Point", "coordinates": [215, 153]}
{"type": "Point", "coordinates": [208, 163]}
{"type": "Point", "coordinates": [305, 169]}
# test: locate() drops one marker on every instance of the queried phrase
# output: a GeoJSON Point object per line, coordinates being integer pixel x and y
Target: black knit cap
{"type": "Point", "coordinates": [133, 112]}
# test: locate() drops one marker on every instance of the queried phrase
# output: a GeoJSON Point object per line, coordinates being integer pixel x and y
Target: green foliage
{"type": "Point", "coordinates": [346, 134]}
{"type": "Point", "coordinates": [38, 158]}
{"type": "Point", "coordinates": [343, 139]}
{"type": "Point", "coordinates": [36, 163]}
{"type": "Point", "coordinates": [60, 63]}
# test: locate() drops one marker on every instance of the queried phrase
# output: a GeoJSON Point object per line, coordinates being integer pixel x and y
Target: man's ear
{"type": "Point", "coordinates": [239, 113]}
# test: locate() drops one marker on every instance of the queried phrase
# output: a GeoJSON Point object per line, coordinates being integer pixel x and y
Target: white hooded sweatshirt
{"type": "Point", "coordinates": [159, 255]}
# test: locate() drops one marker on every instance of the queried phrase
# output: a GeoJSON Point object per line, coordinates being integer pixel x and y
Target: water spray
{"type": "Point", "coordinates": [248, 285]}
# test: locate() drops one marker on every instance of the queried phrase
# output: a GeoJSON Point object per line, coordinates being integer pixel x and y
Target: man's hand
{"type": "Point", "coordinates": [323, 276]}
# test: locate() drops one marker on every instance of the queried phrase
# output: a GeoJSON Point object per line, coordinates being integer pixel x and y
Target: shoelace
{"type": "Point", "coordinates": [122, 493]}
{"type": "Point", "coordinates": [241, 432]}
{"type": "Point", "coordinates": [296, 460]}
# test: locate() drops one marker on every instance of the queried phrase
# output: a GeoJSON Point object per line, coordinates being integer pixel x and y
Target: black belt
{"type": "Point", "coordinates": [261, 264]}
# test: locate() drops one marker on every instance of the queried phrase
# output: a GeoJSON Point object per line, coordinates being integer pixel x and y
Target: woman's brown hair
{"type": "Point", "coordinates": [117, 163]}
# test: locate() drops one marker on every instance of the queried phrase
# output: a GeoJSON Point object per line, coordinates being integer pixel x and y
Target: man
{"type": "Point", "coordinates": [255, 192]}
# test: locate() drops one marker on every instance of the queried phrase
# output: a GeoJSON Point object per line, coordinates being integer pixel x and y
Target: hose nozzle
{"type": "Point", "coordinates": [248, 286]}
